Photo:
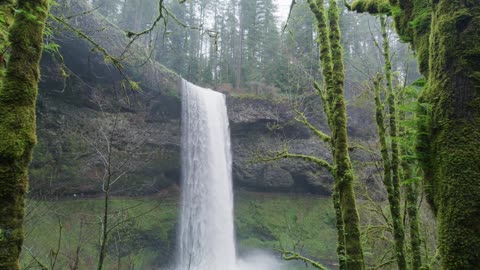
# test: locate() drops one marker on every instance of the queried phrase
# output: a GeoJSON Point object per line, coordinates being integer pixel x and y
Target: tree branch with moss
{"type": "Point", "coordinates": [294, 256]}
{"type": "Point", "coordinates": [285, 154]}
{"type": "Point", "coordinates": [301, 118]}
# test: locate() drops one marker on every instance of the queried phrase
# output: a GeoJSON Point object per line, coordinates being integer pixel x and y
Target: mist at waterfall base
{"type": "Point", "coordinates": [206, 239]}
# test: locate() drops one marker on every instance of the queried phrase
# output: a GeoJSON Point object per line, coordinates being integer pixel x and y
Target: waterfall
{"type": "Point", "coordinates": [206, 234]}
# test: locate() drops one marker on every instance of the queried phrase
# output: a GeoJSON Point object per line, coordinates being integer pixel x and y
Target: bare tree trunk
{"type": "Point", "coordinates": [240, 54]}
{"type": "Point", "coordinates": [105, 232]}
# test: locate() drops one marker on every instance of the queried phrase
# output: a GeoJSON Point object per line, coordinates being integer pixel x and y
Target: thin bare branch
{"type": "Point", "coordinates": [34, 257]}
{"type": "Point", "coordinates": [96, 46]}
{"type": "Point", "coordinates": [289, 15]}
{"type": "Point", "coordinates": [118, 177]}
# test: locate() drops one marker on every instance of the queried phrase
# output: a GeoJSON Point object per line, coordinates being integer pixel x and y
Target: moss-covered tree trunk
{"type": "Point", "coordinates": [341, 252]}
{"type": "Point", "coordinates": [452, 156]}
{"type": "Point", "coordinates": [343, 166]}
{"type": "Point", "coordinates": [17, 124]}
{"type": "Point", "coordinates": [412, 210]}
{"type": "Point", "coordinates": [325, 92]}
{"type": "Point", "coordinates": [446, 37]}
{"type": "Point", "coordinates": [349, 249]}
{"type": "Point", "coordinates": [393, 202]}
{"type": "Point", "coordinates": [393, 184]}
{"type": "Point", "coordinates": [6, 15]}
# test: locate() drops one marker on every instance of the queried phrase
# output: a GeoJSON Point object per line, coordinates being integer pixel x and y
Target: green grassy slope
{"type": "Point", "coordinates": [146, 235]}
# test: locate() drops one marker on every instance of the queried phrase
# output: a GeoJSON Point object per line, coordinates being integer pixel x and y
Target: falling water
{"type": "Point", "coordinates": [206, 239]}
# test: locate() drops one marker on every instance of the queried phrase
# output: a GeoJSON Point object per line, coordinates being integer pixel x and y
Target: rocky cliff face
{"type": "Point", "coordinates": [259, 126]}
{"type": "Point", "coordinates": [72, 139]}
{"type": "Point", "coordinates": [89, 124]}
{"type": "Point", "coordinates": [79, 127]}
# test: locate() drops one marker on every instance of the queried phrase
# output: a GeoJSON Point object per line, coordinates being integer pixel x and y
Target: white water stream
{"type": "Point", "coordinates": [206, 233]}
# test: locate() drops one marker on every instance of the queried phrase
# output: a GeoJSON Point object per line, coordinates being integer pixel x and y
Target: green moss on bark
{"type": "Point", "coordinates": [341, 251]}
{"type": "Point", "coordinates": [388, 172]}
{"type": "Point", "coordinates": [17, 123]}
{"type": "Point", "coordinates": [446, 37]}
{"type": "Point", "coordinates": [6, 20]}
{"type": "Point", "coordinates": [350, 250]}
{"type": "Point", "coordinates": [412, 210]}
{"type": "Point", "coordinates": [371, 6]}
{"type": "Point", "coordinates": [454, 149]}
{"type": "Point", "coordinates": [326, 65]}
{"type": "Point", "coordinates": [393, 184]}
{"type": "Point", "coordinates": [343, 166]}
{"type": "Point", "coordinates": [6, 15]}
{"type": "Point", "coordinates": [412, 22]}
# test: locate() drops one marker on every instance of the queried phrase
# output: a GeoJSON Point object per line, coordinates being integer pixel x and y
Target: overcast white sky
{"type": "Point", "coordinates": [283, 6]}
